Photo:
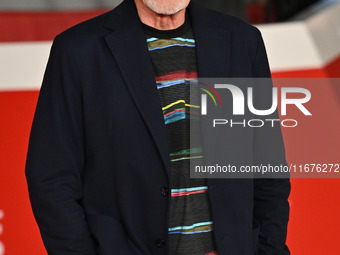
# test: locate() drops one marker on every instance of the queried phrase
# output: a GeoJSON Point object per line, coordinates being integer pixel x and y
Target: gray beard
{"type": "Point", "coordinates": [166, 9]}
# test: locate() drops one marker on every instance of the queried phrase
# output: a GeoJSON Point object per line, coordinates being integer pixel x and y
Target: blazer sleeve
{"type": "Point", "coordinates": [271, 207]}
{"type": "Point", "coordinates": [55, 160]}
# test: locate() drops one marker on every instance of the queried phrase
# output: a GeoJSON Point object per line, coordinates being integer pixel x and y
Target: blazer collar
{"type": "Point", "coordinates": [128, 46]}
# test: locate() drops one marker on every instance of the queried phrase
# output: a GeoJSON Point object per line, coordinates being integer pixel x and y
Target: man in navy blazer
{"type": "Point", "coordinates": [98, 162]}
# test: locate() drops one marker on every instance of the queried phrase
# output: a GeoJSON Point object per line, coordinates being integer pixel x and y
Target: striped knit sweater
{"type": "Point", "coordinates": [174, 60]}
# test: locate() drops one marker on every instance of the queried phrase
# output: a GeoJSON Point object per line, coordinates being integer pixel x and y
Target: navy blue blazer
{"type": "Point", "coordinates": [98, 161]}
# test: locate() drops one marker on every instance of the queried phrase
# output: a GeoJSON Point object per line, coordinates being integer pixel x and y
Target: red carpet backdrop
{"type": "Point", "coordinates": [25, 39]}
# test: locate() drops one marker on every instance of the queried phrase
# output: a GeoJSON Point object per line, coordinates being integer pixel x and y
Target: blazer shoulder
{"type": "Point", "coordinates": [224, 21]}
{"type": "Point", "coordinates": [241, 34]}
{"type": "Point", "coordinates": [241, 31]}
{"type": "Point", "coordinates": [97, 27]}
{"type": "Point", "coordinates": [93, 27]}
{"type": "Point", "coordinates": [238, 26]}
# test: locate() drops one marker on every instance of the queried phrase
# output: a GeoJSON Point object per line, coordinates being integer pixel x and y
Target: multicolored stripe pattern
{"type": "Point", "coordinates": [160, 44]}
{"type": "Point", "coordinates": [194, 153]}
{"type": "Point", "coordinates": [188, 191]}
{"type": "Point", "coordinates": [195, 228]}
{"type": "Point", "coordinates": [179, 110]}
{"type": "Point", "coordinates": [174, 61]}
{"type": "Point", "coordinates": [175, 78]}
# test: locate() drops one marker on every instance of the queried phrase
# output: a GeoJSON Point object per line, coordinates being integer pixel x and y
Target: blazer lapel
{"type": "Point", "coordinates": [128, 46]}
{"type": "Point", "coordinates": [213, 46]}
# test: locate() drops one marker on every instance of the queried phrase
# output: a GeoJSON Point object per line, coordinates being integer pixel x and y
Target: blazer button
{"type": "Point", "coordinates": [165, 192]}
{"type": "Point", "coordinates": [160, 243]}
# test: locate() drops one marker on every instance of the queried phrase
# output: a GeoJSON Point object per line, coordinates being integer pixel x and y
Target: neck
{"type": "Point", "coordinates": [159, 21]}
